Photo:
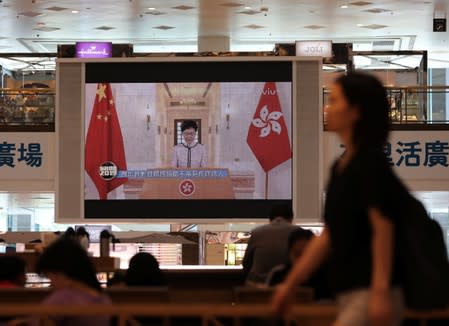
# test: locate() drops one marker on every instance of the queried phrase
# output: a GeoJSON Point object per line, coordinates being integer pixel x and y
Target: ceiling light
{"type": "Point", "coordinates": [248, 8]}
{"type": "Point", "coordinates": [75, 11]}
{"type": "Point", "coordinates": [40, 24]}
{"type": "Point", "coordinates": [360, 25]}
{"type": "Point", "coordinates": [344, 7]}
{"type": "Point", "coordinates": [151, 8]}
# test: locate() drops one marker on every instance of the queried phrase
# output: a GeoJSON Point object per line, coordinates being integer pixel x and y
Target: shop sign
{"type": "Point", "coordinates": [314, 48]}
{"type": "Point", "coordinates": [27, 155]}
{"type": "Point", "coordinates": [93, 50]}
{"type": "Point", "coordinates": [417, 155]}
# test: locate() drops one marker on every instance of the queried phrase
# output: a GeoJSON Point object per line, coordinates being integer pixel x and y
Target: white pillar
{"type": "Point", "coordinates": [213, 43]}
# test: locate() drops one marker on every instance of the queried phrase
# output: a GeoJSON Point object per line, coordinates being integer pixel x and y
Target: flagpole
{"type": "Point", "coordinates": [266, 185]}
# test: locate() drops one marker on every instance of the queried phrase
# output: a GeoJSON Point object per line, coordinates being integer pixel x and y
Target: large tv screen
{"type": "Point", "coordinates": [187, 139]}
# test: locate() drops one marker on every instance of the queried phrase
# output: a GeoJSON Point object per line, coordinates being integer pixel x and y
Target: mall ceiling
{"type": "Point", "coordinates": [176, 25]}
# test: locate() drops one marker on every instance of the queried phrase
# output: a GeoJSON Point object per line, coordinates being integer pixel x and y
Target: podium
{"type": "Point", "coordinates": [198, 183]}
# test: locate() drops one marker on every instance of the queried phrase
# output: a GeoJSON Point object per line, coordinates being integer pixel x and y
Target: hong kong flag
{"type": "Point", "coordinates": [104, 142]}
{"type": "Point", "coordinates": [267, 134]}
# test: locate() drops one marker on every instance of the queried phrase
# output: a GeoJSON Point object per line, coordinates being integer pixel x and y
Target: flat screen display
{"type": "Point", "coordinates": [187, 140]}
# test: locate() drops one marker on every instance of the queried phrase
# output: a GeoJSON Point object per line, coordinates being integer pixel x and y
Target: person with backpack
{"type": "Point", "coordinates": [361, 213]}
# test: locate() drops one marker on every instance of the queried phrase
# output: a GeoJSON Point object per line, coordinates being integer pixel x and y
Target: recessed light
{"type": "Point", "coordinates": [151, 8]}
{"type": "Point", "coordinates": [360, 25]}
{"type": "Point", "coordinates": [40, 24]}
{"type": "Point", "coordinates": [75, 11]}
{"type": "Point", "coordinates": [248, 8]}
{"type": "Point", "coordinates": [344, 7]}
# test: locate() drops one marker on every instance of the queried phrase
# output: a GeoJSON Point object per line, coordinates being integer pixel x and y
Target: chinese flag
{"type": "Point", "coordinates": [267, 134]}
{"type": "Point", "coordinates": [104, 141]}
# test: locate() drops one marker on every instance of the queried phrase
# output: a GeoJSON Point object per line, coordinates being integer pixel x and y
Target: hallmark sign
{"type": "Point", "coordinates": [93, 50]}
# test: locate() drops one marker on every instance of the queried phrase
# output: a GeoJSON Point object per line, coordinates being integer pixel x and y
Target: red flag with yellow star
{"type": "Point", "coordinates": [104, 143]}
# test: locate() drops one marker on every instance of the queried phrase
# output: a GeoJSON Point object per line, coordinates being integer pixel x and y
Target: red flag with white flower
{"type": "Point", "coordinates": [104, 143]}
{"type": "Point", "coordinates": [267, 134]}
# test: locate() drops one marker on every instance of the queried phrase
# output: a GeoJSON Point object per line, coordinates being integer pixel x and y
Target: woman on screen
{"type": "Point", "coordinates": [190, 153]}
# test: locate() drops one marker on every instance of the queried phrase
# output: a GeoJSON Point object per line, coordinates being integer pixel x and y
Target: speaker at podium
{"type": "Point", "coordinates": [199, 183]}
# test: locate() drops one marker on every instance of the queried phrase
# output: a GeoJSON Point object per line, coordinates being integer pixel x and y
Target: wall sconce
{"type": "Point", "coordinates": [228, 116]}
{"type": "Point", "coordinates": [148, 116]}
{"type": "Point", "coordinates": [148, 121]}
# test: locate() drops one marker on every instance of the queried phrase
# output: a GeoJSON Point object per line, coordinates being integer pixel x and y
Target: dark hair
{"type": "Point", "coordinates": [144, 270]}
{"type": "Point", "coordinates": [81, 231]}
{"type": "Point", "coordinates": [284, 210]}
{"type": "Point", "coordinates": [66, 256]}
{"type": "Point", "coordinates": [297, 235]}
{"type": "Point", "coordinates": [187, 124]}
{"type": "Point", "coordinates": [11, 268]}
{"type": "Point", "coordinates": [366, 93]}
{"type": "Point", "coordinates": [69, 233]}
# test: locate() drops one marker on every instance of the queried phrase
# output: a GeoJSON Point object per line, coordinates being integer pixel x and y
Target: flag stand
{"type": "Point", "coordinates": [266, 185]}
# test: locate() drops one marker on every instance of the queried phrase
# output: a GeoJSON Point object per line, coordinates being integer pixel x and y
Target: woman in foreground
{"type": "Point", "coordinates": [360, 212]}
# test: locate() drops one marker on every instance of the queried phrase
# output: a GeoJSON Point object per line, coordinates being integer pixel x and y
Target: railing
{"type": "Point", "coordinates": [416, 105]}
{"type": "Point", "coordinates": [209, 314]}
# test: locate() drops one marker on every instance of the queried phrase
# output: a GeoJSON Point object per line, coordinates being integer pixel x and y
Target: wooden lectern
{"type": "Point", "coordinates": [187, 184]}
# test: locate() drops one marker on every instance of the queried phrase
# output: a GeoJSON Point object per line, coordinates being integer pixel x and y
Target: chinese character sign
{"type": "Point", "coordinates": [27, 156]}
{"type": "Point", "coordinates": [415, 153]}
{"type": "Point", "coordinates": [12, 154]}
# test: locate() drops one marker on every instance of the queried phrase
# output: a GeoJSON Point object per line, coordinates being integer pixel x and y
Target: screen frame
{"type": "Point", "coordinates": [304, 66]}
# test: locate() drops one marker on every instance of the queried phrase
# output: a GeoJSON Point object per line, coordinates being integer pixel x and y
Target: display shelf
{"type": "Point", "coordinates": [26, 108]}
{"type": "Point", "coordinates": [410, 104]}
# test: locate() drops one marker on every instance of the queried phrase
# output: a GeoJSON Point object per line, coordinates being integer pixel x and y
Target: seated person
{"type": "Point", "coordinates": [12, 272]}
{"type": "Point", "coordinates": [268, 245]}
{"type": "Point", "coordinates": [297, 242]}
{"type": "Point", "coordinates": [189, 154]}
{"type": "Point", "coordinates": [74, 282]}
{"type": "Point", "coordinates": [144, 270]}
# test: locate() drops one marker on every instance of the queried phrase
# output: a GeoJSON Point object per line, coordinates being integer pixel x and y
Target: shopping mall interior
{"type": "Point", "coordinates": [404, 43]}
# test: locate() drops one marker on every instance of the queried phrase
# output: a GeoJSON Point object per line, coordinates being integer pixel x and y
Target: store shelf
{"type": "Point", "coordinates": [27, 109]}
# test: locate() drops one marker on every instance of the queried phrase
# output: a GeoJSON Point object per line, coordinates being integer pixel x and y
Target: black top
{"type": "Point", "coordinates": [366, 181]}
{"type": "Point", "coordinates": [318, 281]}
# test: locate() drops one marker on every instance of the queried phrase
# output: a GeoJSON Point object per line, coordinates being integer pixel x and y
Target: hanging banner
{"type": "Point", "coordinates": [27, 155]}
{"type": "Point", "coordinates": [415, 155]}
